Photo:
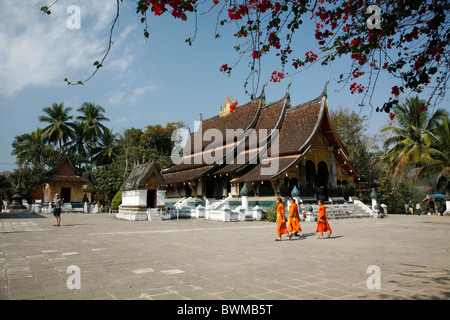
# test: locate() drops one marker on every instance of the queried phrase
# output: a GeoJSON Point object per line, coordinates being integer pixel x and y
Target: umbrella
{"type": "Point", "coordinates": [436, 196]}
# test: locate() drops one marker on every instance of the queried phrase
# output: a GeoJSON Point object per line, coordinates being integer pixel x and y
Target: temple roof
{"type": "Point", "coordinates": [64, 170]}
{"type": "Point", "coordinates": [143, 176]}
{"type": "Point", "coordinates": [64, 166]}
{"type": "Point", "coordinates": [297, 126]}
{"type": "Point", "coordinates": [185, 175]}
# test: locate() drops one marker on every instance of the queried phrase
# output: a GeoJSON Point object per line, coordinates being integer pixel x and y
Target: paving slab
{"type": "Point", "coordinates": [210, 260]}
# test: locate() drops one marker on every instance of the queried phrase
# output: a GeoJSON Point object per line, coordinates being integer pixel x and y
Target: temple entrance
{"type": "Point", "coordinates": [322, 178]}
{"type": "Point", "coordinates": [65, 194]}
{"type": "Point", "coordinates": [209, 189]}
{"type": "Point", "coordinates": [151, 198]}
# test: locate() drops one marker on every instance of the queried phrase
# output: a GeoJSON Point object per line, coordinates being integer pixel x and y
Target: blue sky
{"type": "Point", "coordinates": [142, 82]}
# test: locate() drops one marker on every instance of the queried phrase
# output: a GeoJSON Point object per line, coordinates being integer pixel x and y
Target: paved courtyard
{"type": "Point", "coordinates": [196, 259]}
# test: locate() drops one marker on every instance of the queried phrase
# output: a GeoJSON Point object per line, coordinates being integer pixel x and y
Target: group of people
{"type": "Point", "coordinates": [409, 208]}
{"type": "Point", "coordinates": [292, 227]}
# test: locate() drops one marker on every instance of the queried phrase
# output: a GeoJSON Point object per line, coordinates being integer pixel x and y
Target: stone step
{"type": "Point", "coordinates": [153, 215]}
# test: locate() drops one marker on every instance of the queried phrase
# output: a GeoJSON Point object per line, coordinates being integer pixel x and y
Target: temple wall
{"type": "Point", "coordinates": [51, 188]}
{"type": "Point", "coordinates": [134, 197]}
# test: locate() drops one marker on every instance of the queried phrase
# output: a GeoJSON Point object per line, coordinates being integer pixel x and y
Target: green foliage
{"type": "Point", "coordinates": [58, 131]}
{"type": "Point", "coordinates": [31, 149]}
{"type": "Point", "coordinates": [418, 144]}
{"type": "Point", "coordinates": [350, 128]}
{"type": "Point", "coordinates": [91, 146]}
{"type": "Point", "coordinates": [116, 201]}
{"type": "Point", "coordinates": [109, 179]}
{"type": "Point", "coordinates": [272, 213]}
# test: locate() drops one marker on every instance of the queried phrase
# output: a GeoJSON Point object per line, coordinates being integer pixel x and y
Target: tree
{"type": "Point", "coordinates": [106, 148]}
{"type": "Point", "coordinates": [109, 179]}
{"type": "Point", "coordinates": [79, 143]}
{"type": "Point", "coordinates": [92, 115]}
{"type": "Point", "coordinates": [407, 39]}
{"type": "Point", "coordinates": [59, 129]}
{"type": "Point", "coordinates": [32, 149]}
{"type": "Point", "coordinates": [437, 154]}
{"type": "Point", "coordinates": [411, 140]}
{"type": "Point", "coordinates": [6, 189]}
{"type": "Point", "coordinates": [350, 128]}
{"type": "Point", "coordinates": [158, 140]}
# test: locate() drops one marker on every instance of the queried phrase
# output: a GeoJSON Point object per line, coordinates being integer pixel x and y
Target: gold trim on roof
{"type": "Point", "coordinates": [225, 109]}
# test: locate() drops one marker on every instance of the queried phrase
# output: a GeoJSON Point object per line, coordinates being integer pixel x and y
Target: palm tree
{"type": "Point", "coordinates": [105, 150]}
{"type": "Point", "coordinates": [92, 115]}
{"type": "Point", "coordinates": [59, 128]}
{"type": "Point", "coordinates": [412, 136]}
{"type": "Point", "coordinates": [80, 142]}
{"type": "Point", "coordinates": [437, 155]}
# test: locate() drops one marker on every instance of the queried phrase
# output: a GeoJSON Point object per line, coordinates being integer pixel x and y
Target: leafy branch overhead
{"type": "Point", "coordinates": [410, 43]}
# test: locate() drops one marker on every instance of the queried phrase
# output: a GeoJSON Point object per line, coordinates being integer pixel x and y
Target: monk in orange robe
{"type": "Point", "coordinates": [322, 221]}
{"type": "Point", "coordinates": [281, 219]}
{"type": "Point", "coordinates": [294, 219]}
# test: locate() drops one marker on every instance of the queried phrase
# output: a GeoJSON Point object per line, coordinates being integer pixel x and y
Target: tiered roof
{"type": "Point", "coordinates": [296, 126]}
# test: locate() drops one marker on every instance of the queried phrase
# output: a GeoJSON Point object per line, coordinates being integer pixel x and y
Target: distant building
{"type": "Point", "coordinates": [73, 187]}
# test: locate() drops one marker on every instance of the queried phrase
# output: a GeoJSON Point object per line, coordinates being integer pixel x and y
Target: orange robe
{"type": "Point", "coordinates": [322, 226]}
{"type": "Point", "coordinates": [294, 219]}
{"type": "Point", "coordinates": [281, 228]}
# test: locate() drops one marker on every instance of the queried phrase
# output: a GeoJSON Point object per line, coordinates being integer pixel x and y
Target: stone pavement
{"type": "Point", "coordinates": [199, 259]}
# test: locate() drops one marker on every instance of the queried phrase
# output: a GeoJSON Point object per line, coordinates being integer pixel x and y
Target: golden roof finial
{"type": "Point", "coordinates": [225, 109]}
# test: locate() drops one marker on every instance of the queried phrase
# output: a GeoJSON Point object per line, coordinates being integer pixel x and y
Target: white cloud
{"type": "Point", "coordinates": [124, 119]}
{"type": "Point", "coordinates": [39, 50]}
{"type": "Point", "coordinates": [140, 91]}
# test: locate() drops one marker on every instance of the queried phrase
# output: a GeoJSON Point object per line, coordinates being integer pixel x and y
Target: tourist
{"type": "Point", "coordinates": [418, 208]}
{"type": "Point", "coordinates": [322, 221]}
{"type": "Point", "coordinates": [294, 219]}
{"type": "Point", "coordinates": [410, 207]}
{"type": "Point", "coordinates": [57, 202]}
{"type": "Point", "coordinates": [281, 219]}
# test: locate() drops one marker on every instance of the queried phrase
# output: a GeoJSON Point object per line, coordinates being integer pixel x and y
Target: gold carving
{"type": "Point", "coordinates": [225, 109]}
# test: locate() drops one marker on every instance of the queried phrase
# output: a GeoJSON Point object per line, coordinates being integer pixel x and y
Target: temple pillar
{"type": "Point", "coordinates": [161, 197]}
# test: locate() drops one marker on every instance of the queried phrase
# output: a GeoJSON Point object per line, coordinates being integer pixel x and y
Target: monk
{"type": "Point", "coordinates": [322, 221]}
{"type": "Point", "coordinates": [294, 219]}
{"type": "Point", "coordinates": [281, 219]}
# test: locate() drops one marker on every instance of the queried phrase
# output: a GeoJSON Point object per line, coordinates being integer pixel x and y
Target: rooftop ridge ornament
{"type": "Point", "coordinates": [288, 95]}
{"type": "Point", "coordinates": [262, 96]}
{"type": "Point", "coordinates": [228, 107]}
{"type": "Point", "coordinates": [325, 87]}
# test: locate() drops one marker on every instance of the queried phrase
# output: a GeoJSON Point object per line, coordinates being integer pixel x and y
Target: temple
{"type": "Point", "coordinates": [271, 148]}
{"type": "Point", "coordinates": [74, 187]}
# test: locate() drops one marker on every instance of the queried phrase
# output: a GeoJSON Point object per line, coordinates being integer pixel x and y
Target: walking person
{"type": "Point", "coordinates": [58, 203]}
{"type": "Point", "coordinates": [322, 221]}
{"type": "Point", "coordinates": [281, 219]}
{"type": "Point", "coordinates": [294, 219]}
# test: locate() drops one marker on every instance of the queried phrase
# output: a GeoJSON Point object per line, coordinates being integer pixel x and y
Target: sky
{"type": "Point", "coordinates": [142, 82]}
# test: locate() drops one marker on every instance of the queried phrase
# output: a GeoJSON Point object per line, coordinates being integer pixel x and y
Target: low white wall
{"type": "Point", "coordinates": [134, 197]}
